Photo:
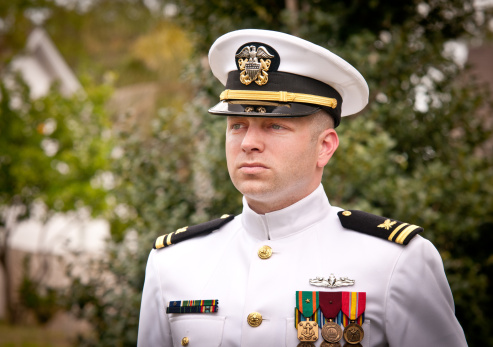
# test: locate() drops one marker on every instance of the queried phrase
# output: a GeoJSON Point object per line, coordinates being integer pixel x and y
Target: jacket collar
{"type": "Point", "coordinates": [288, 221]}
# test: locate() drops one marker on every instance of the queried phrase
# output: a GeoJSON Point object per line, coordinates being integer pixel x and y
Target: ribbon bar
{"type": "Point", "coordinates": [193, 306]}
{"type": "Point", "coordinates": [192, 309]}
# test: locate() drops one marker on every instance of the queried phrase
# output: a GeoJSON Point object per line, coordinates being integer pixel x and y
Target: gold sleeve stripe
{"type": "Point", "coordinates": [160, 242]}
{"type": "Point", "coordinates": [168, 239]}
{"type": "Point", "coordinates": [181, 230]}
{"type": "Point", "coordinates": [229, 94]}
{"type": "Point", "coordinates": [396, 231]}
{"type": "Point", "coordinates": [400, 239]}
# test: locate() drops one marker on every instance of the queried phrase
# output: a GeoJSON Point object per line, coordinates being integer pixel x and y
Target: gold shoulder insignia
{"type": "Point", "coordinates": [378, 226]}
{"type": "Point", "coordinates": [186, 233]}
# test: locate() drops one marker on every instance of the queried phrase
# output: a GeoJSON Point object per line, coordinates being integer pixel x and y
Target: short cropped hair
{"type": "Point", "coordinates": [321, 120]}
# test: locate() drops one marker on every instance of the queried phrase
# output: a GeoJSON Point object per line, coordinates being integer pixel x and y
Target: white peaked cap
{"type": "Point", "coordinates": [297, 57]}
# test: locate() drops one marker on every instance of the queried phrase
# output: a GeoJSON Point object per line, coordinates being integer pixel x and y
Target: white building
{"type": "Point", "coordinates": [41, 65]}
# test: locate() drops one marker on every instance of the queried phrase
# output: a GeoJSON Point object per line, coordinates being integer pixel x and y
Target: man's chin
{"type": "Point", "coordinates": [255, 189]}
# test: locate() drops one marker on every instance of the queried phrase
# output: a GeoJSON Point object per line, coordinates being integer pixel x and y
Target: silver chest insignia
{"type": "Point", "coordinates": [331, 282]}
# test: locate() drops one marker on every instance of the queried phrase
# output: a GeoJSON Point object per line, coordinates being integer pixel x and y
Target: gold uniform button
{"type": "Point", "coordinates": [185, 341]}
{"type": "Point", "coordinates": [254, 319]}
{"type": "Point", "coordinates": [265, 252]}
{"type": "Point", "coordinates": [346, 213]}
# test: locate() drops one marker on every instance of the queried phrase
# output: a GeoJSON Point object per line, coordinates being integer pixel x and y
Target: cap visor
{"type": "Point", "coordinates": [226, 108]}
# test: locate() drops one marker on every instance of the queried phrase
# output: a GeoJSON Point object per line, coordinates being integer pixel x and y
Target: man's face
{"type": "Point", "coordinates": [272, 161]}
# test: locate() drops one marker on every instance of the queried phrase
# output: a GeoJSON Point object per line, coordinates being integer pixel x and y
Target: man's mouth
{"type": "Point", "coordinates": [252, 168]}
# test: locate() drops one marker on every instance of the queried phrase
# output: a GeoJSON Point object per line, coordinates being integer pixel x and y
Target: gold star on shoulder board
{"type": "Point", "coordinates": [387, 224]}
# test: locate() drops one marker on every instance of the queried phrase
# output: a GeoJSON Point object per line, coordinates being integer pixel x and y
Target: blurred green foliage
{"type": "Point", "coordinates": [53, 150]}
{"type": "Point", "coordinates": [53, 153]}
{"type": "Point", "coordinates": [53, 147]}
{"type": "Point", "coordinates": [416, 153]}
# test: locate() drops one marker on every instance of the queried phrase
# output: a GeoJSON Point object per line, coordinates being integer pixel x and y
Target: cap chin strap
{"type": "Point", "coordinates": [229, 94]}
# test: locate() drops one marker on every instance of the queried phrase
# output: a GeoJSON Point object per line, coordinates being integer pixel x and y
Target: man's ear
{"type": "Point", "coordinates": [328, 141]}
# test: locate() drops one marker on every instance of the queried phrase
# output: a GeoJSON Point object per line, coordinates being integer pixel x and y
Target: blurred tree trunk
{"type": "Point", "coordinates": [11, 310]}
{"type": "Point", "coordinates": [292, 7]}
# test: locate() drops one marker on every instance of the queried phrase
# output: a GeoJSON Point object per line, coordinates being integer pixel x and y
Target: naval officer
{"type": "Point", "coordinates": [291, 269]}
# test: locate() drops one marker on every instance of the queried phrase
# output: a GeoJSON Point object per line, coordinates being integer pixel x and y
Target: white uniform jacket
{"type": "Point", "coordinates": [409, 302]}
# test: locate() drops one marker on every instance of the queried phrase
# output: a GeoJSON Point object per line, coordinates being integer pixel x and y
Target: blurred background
{"type": "Point", "coordinates": [106, 143]}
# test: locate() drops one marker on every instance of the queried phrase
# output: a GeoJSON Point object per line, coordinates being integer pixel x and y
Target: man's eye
{"type": "Point", "coordinates": [276, 127]}
{"type": "Point", "coordinates": [236, 126]}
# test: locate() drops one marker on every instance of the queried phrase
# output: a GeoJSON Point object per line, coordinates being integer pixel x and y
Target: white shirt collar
{"type": "Point", "coordinates": [288, 221]}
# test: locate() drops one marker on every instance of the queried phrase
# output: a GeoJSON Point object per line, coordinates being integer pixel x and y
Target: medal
{"type": "Point", "coordinates": [330, 304]}
{"type": "Point", "coordinates": [328, 344]}
{"type": "Point", "coordinates": [331, 332]}
{"type": "Point", "coordinates": [307, 304]}
{"type": "Point", "coordinates": [353, 333]}
{"type": "Point", "coordinates": [353, 307]}
{"type": "Point", "coordinates": [308, 331]}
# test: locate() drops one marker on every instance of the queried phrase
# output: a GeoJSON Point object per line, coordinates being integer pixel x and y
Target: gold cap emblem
{"type": "Point", "coordinates": [253, 63]}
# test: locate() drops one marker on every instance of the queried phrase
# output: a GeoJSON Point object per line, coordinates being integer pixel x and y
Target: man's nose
{"type": "Point", "coordinates": [253, 140]}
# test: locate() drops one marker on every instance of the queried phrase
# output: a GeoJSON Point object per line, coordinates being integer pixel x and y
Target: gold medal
{"type": "Point", "coordinates": [306, 344]}
{"type": "Point", "coordinates": [353, 307]}
{"type": "Point", "coordinates": [328, 344]}
{"type": "Point", "coordinates": [332, 332]}
{"type": "Point", "coordinates": [307, 304]}
{"type": "Point", "coordinates": [353, 333]}
{"type": "Point", "coordinates": [307, 331]}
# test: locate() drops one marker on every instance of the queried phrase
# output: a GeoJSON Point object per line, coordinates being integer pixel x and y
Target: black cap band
{"type": "Point", "coordinates": [282, 81]}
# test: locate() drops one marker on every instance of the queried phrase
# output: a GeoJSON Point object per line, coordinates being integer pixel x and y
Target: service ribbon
{"type": "Point", "coordinates": [322, 320]}
{"type": "Point", "coordinates": [307, 303]}
{"type": "Point", "coordinates": [192, 309]}
{"type": "Point", "coordinates": [344, 320]}
{"type": "Point", "coordinates": [298, 317]}
{"type": "Point", "coordinates": [330, 303]}
{"type": "Point", "coordinates": [199, 302]}
{"type": "Point", "coordinates": [353, 307]}
{"type": "Point", "coordinates": [193, 306]}
{"type": "Point", "coordinates": [330, 307]}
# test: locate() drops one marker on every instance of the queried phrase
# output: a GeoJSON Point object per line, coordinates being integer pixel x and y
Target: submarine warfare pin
{"type": "Point", "coordinates": [331, 282]}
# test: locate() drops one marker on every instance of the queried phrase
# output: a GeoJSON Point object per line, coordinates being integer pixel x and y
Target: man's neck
{"type": "Point", "coordinates": [263, 206]}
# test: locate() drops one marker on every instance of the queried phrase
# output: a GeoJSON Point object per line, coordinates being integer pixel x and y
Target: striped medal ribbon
{"type": "Point", "coordinates": [307, 303]}
{"type": "Point", "coordinates": [353, 308]}
{"type": "Point", "coordinates": [331, 304]}
{"type": "Point", "coordinates": [317, 317]}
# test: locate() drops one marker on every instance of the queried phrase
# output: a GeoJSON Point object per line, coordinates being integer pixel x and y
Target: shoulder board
{"type": "Point", "coordinates": [378, 226]}
{"type": "Point", "coordinates": [186, 233]}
